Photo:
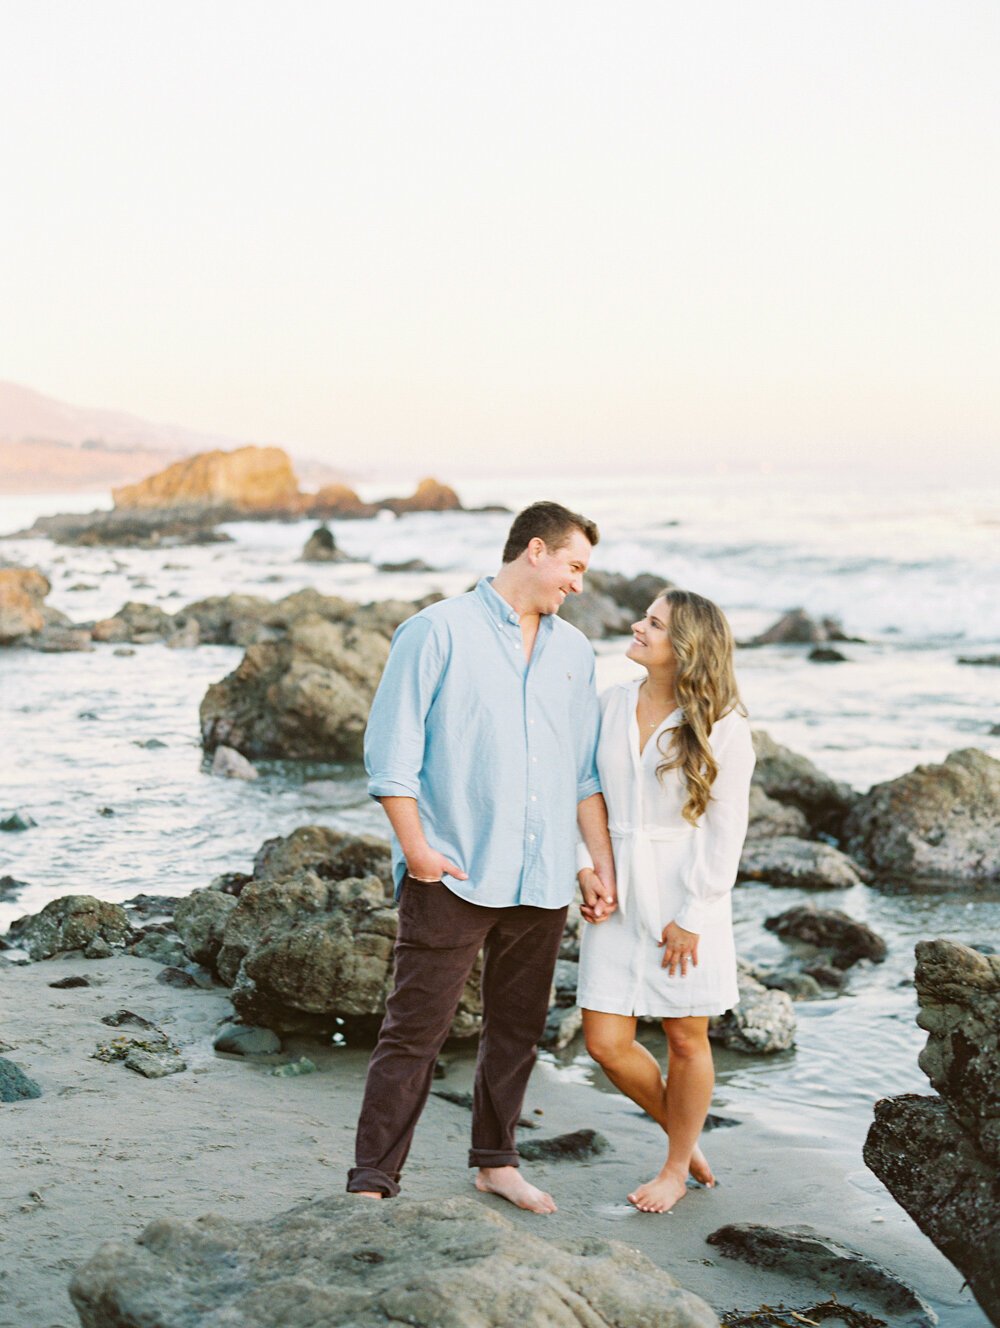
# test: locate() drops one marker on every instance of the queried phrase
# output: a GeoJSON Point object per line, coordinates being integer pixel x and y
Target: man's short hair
{"type": "Point", "coordinates": [549, 522]}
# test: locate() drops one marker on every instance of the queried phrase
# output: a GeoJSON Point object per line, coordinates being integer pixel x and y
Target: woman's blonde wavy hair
{"type": "Point", "coordinates": [704, 687]}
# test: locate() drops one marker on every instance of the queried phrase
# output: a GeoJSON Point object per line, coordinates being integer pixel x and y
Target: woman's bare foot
{"type": "Point", "coordinates": [659, 1195]}
{"type": "Point", "coordinates": [368, 1194]}
{"type": "Point", "coordinates": [700, 1169]}
{"type": "Point", "coordinates": [509, 1184]}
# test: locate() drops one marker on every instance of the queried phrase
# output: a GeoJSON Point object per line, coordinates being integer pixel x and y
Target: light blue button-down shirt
{"type": "Point", "coordinates": [498, 751]}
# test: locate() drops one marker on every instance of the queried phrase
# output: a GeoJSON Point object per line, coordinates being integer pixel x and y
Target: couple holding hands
{"type": "Point", "coordinates": [503, 774]}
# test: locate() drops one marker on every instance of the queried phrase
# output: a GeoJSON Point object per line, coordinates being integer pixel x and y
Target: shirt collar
{"type": "Point", "coordinates": [494, 603]}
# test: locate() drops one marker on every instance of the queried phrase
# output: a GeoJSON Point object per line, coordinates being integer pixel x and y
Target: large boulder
{"type": "Point", "coordinates": [200, 921]}
{"type": "Point", "coordinates": [340, 1263]}
{"type": "Point", "coordinates": [305, 697]}
{"type": "Point", "coordinates": [331, 854]}
{"type": "Point", "coordinates": [633, 594]}
{"type": "Point", "coordinates": [251, 479]}
{"type": "Point", "coordinates": [936, 823]}
{"type": "Point", "coordinates": [842, 938]}
{"type": "Point", "coordinates": [796, 627]}
{"type": "Point", "coordinates": [22, 613]}
{"type": "Point", "coordinates": [321, 547]}
{"type": "Point", "coordinates": [595, 614]}
{"type": "Point", "coordinates": [789, 778]}
{"type": "Point", "coordinates": [136, 622]}
{"type": "Point", "coordinates": [940, 1156]}
{"type": "Point", "coordinates": [798, 863]}
{"type": "Point", "coordinates": [72, 922]}
{"type": "Point", "coordinates": [338, 500]}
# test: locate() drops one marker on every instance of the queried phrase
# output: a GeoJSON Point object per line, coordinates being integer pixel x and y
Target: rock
{"type": "Point", "coordinates": [74, 980]}
{"type": "Point", "coordinates": [936, 823]}
{"type": "Point", "coordinates": [990, 661]}
{"type": "Point", "coordinates": [827, 975]}
{"type": "Point", "coordinates": [429, 496]}
{"type": "Point", "coordinates": [569, 946]}
{"type": "Point", "coordinates": [231, 765]}
{"type": "Point", "coordinates": [229, 619]}
{"type": "Point", "coordinates": [770, 818]}
{"type": "Point", "coordinates": [149, 906]}
{"type": "Point", "coordinates": [125, 652]}
{"type": "Point", "coordinates": [566, 976]}
{"type": "Point", "coordinates": [785, 861]}
{"type": "Point", "coordinates": [250, 479]}
{"type": "Point", "coordinates": [292, 1069]}
{"type": "Point", "coordinates": [306, 697]}
{"type": "Point", "coordinates": [337, 1262]}
{"type": "Point", "coordinates": [789, 778]}
{"type": "Point", "coordinates": [15, 1085]}
{"type": "Point", "coordinates": [246, 1040]}
{"type": "Point", "coordinates": [16, 822]}
{"type": "Point", "coordinates": [561, 1026]}
{"type": "Point", "coordinates": [826, 655]}
{"type": "Point", "coordinates": [579, 1146]}
{"type": "Point", "coordinates": [807, 1255]}
{"type": "Point", "coordinates": [828, 929]}
{"type": "Point", "coordinates": [796, 627]}
{"type": "Point", "coordinates": [200, 920]}
{"type": "Point", "coordinates": [799, 985]}
{"type": "Point", "coordinates": [22, 590]}
{"type": "Point", "coordinates": [186, 636]}
{"type": "Point", "coordinates": [304, 953]}
{"type": "Point", "coordinates": [9, 887]}
{"type": "Point", "coordinates": [340, 501]}
{"type": "Point", "coordinates": [72, 922]}
{"type": "Point", "coordinates": [60, 640]}
{"type": "Point", "coordinates": [321, 547]}
{"type": "Point", "coordinates": [135, 529]}
{"type": "Point", "coordinates": [596, 615]}
{"type": "Point", "coordinates": [410, 565]}
{"type": "Point", "coordinates": [154, 1064]}
{"type": "Point", "coordinates": [462, 1099]}
{"type": "Point", "coordinates": [97, 948]}
{"type": "Point", "coordinates": [762, 1023]}
{"type": "Point", "coordinates": [331, 854]}
{"type": "Point", "coordinates": [163, 945]}
{"type": "Point", "coordinates": [632, 594]}
{"type": "Point", "coordinates": [172, 976]}
{"type": "Point", "coordinates": [939, 1156]}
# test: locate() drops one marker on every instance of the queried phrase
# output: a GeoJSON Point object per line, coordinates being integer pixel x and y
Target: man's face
{"type": "Point", "coordinates": [558, 572]}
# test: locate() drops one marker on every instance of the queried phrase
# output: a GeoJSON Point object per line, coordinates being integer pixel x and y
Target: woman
{"type": "Point", "coordinates": [675, 759]}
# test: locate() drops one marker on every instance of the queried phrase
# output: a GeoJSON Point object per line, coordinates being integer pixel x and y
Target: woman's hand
{"type": "Point", "coordinates": [599, 900]}
{"type": "Point", "coordinates": [680, 948]}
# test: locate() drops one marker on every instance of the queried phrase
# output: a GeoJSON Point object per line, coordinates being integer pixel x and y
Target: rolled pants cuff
{"type": "Point", "coordinates": [494, 1157]}
{"type": "Point", "coordinates": [370, 1178]}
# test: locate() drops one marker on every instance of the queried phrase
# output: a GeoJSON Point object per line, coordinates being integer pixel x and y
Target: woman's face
{"type": "Point", "coordinates": [650, 645]}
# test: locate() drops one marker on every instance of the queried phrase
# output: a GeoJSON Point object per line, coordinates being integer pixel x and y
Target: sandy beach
{"type": "Point", "coordinates": [104, 1151]}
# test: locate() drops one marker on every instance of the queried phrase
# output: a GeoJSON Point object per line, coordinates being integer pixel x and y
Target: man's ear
{"type": "Point", "coordinates": [535, 548]}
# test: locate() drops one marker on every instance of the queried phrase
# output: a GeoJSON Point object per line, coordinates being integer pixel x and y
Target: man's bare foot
{"type": "Point", "coordinates": [368, 1194]}
{"type": "Point", "coordinates": [511, 1185]}
{"type": "Point", "coordinates": [700, 1169]}
{"type": "Point", "coordinates": [659, 1195]}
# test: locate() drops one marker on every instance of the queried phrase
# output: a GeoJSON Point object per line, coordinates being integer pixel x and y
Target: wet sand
{"type": "Point", "coordinates": [104, 1151]}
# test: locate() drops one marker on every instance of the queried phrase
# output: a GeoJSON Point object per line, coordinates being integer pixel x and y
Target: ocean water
{"type": "Point", "coordinates": [914, 571]}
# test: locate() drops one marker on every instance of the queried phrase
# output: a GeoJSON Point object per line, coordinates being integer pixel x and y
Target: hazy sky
{"type": "Point", "coordinates": [511, 233]}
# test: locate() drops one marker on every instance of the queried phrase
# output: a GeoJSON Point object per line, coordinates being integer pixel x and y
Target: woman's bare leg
{"type": "Point", "coordinates": [635, 1072]}
{"type": "Point", "coordinates": [690, 1080]}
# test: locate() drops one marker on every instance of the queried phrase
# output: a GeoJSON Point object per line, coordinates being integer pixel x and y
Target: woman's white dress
{"type": "Point", "coordinates": [667, 869]}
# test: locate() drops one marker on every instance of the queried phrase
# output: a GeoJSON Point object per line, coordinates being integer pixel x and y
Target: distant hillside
{"type": "Point", "coordinates": [47, 446]}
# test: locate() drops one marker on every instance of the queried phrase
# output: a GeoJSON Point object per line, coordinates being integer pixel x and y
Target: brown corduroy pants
{"type": "Point", "coordinates": [437, 942]}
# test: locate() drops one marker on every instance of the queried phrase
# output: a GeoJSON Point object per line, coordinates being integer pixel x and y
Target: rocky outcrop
{"type": "Point", "coordinates": [337, 500]}
{"type": "Point", "coordinates": [200, 920]}
{"type": "Point", "coordinates": [936, 823]}
{"type": "Point", "coordinates": [824, 1262]}
{"type": "Point", "coordinates": [72, 922]}
{"type": "Point", "coordinates": [940, 1156]}
{"type": "Point", "coordinates": [22, 592]}
{"type": "Point", "coordinates": [770, 818]}
{"type": "Point", "coordinates": [305, 697]}
{"type": "Point", "coordinates": [762, 1023]}
{"type": "Point", "coordinates": [796, 627]}
{"type": "Point", "coordinates": [321, 547]}
{"type": "Point", "coordinates": [331, 854]}
{"type": "Point", "coordinates": [250, 479]}
{"type": "Point", "coordinates": [798, 863]}
{"type": "Point", "coordinates": [843, 939]}
{"type": "Point", "coordinates": [136, 528]}
{"type": "Point", "coordinates": [336, 1261]}
{"type": "Point", "coordinates": [789, 778]}
{"type": "Point", "coordinates": [138, 623]}
{"type": "Point", "coordinates": [430, 495]}
{"type": "Point", "coordinates": [610, 603]}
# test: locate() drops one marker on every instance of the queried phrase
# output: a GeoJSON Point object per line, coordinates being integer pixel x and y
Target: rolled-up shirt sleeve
{"type": "Point", "coordinates": [395, 736]}
{"type": "Point", "coordinates": [722, 829]}
{"type": "Point", "coordinates": [588, 732]}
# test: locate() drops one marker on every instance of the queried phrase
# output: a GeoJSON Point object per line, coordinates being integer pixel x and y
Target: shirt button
{"type": "Point", "coordinates": [531, 721]}
{"type": "Point", "coordinates": [534, 797]}
{"type": "Point", "coordinates": [531, 836]}
{"type": "Point", "coordinates": [534, 760]}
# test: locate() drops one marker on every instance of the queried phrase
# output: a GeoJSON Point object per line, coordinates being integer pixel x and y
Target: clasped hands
{"type": "Point", "coordinates": [599, 899]}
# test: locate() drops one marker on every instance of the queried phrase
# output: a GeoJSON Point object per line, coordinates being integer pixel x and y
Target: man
{"type": "Point", "coordinates": [480, 748]}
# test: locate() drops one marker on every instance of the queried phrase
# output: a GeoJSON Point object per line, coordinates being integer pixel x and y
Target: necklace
{"type": "Point", "coordinates": [671, 706]}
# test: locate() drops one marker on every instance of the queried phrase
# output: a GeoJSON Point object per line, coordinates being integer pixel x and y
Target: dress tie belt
{"type": "Point", "coordinates": [635, 869]}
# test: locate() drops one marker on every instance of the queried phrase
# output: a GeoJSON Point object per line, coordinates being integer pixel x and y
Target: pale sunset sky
{"type": "Point", "coordinates": [510, 234]}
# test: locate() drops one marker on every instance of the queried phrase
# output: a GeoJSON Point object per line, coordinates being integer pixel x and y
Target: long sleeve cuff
{"type": "Point", "coordinates": [587, 789]}
{"type": "Point", "coordinates": [691, 916]}
{"type": "Point", "coordinates": [583, 858]}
